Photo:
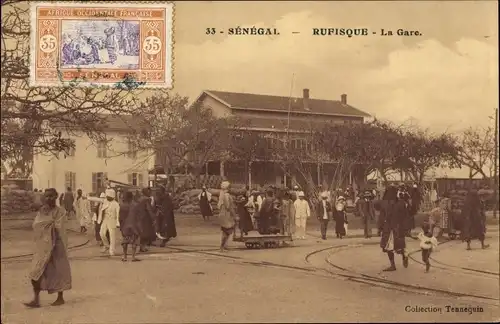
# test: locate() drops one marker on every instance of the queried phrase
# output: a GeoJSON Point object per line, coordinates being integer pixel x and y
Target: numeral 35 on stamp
{"type": "Point", "coordinates": [89, 44]}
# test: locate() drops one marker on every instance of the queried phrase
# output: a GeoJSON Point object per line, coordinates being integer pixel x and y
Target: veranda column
{"type": "Point", "coordinates": [318, 170]}
{"type": "Point", "coordinates": [222, 168]}
{"type": "Point", "coordinates": [250, 174]}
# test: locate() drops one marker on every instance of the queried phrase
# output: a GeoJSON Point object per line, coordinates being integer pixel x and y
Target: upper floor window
{"type": "Point", "coordinates": [131, 150]}
{"type": "Point", "coordinates": [102, 149]}
{"type": "Point", "coordinates": [71, 149]}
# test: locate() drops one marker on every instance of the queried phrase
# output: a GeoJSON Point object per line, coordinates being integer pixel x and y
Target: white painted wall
{"type": "Point", "coordinates": [49, 171]}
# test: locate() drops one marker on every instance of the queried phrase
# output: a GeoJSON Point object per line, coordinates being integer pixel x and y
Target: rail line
{"type": "Point", "coordinates": [341, 272]}
{"type": "Point", "coordinates": [496, 274]}
{"type": "Point", "coordinates": [453, 268]}
{"type": "Point", "coordinates": [375, 281]}
{"type": "Point", "coordinates": [70, 248]}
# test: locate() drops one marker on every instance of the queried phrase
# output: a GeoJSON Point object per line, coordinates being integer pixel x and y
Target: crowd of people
{"type": "Point", "coordinates": [286, 211]}
{"type": "Point", "coordinates": [140, 219]}
{"type": "Point", "coordinates": [143, 219]}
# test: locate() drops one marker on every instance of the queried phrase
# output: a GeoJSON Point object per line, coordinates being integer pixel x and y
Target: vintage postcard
{"type": "Point", "coordinates": [101, 43]}
{"type": "Point", "coordinates": [250, 162]}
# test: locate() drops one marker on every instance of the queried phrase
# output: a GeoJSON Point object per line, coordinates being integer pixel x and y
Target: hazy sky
{"type": "Point", "coordinates": [445, 79]}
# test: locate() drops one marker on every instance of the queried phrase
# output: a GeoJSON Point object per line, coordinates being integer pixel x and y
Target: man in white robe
{"type": "Point", "coordinates": [109, 218]}
{"type": "Point", "coordinates": [302, 213]}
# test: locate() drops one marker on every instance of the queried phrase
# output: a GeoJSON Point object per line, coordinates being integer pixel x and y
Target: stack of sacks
{"type": "Point", "coordinates": [15, 200]}
{"type": "Point", "coordinates": [188, 203]}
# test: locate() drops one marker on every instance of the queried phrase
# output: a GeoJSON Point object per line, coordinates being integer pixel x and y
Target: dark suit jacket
{"type": "Point", "coordinates": [366, 209]}
{"type": "Point", "coordinates": [320, 211]}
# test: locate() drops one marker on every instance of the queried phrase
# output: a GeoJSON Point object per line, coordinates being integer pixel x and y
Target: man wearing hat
{"type": "Point", "coordinates": [227, 214]}
{"type": "Point", "coordinates": [109, 218]}
{"type": "Point", "coordinates": [302, 213]}
{"type": "Point", "coordinates": [324, 213]}
{"type": "Point", "coordinates": [367, 212]}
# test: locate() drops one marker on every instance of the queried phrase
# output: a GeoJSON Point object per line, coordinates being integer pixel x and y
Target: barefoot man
{"type": "Point", "coordinates": [50, 268]}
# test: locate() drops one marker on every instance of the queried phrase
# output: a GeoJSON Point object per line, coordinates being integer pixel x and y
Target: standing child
{"type": "Point", "coordinates": [427, 243]}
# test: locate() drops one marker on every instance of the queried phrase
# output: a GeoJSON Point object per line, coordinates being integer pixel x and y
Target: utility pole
{"type": "Point", "coordinates": [288, 127]}
{"type": "Point", "coordinates": [495, 165]}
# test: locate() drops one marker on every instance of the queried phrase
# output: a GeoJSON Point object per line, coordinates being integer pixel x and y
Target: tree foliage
{"type": "Point", "coordinates": [29, 114]}
{"type": "Point", "coordinates": [246, 145]}
{"type": "Point", "coordinates": [477, 151]}
{"type": "Point", "coordinates": [181, 136]}
{"type": "Point", "coordinates": [366, 147]}
{"type": "Point", "coordinates": [423, 151]}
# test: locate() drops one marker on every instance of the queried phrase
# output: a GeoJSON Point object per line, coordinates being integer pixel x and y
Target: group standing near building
{"type": "Point", "coordinates": [141, 220]}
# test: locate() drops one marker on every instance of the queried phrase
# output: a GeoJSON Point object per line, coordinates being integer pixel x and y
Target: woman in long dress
{"type": "Point", "coordinates": [394, 215]}
{"type": "Point", "coordinates": [287, 214]}
{"type": "Point", "coordinates": [340, 217]}
{"type": "Point", "coordinates": [170, 217]}
{"type": "Point", "coordinates": [245, 220]}
{"type": "Point", "coordinates": [266, 213]}
{"type": "Point", "coordinates": [50, 269]}
{"type": "Point", "coordinates": [474, 220]}
{"type": "Point", "coordinates": [205, 208]}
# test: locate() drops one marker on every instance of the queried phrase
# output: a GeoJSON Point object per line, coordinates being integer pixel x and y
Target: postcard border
{"type": "Point", "coordinates": [169, 42]}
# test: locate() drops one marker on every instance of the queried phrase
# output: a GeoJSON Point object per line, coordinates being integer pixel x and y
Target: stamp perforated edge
{"type": "Point", "coordinates": [169, 32]}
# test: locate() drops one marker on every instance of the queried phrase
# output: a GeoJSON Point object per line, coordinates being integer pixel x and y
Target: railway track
{"type": "Point", "coordinates": [26, 255]}
{"type": "Point", "coordinates": [322, 257]}
{"type": "Point", "coordinates": [453, 268]}
{"type": "Point", "coordinates": [319, 264]}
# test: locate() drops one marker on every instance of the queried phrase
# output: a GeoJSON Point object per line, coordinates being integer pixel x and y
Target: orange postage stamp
{"type": "Point", "coordinates": [101, 44]}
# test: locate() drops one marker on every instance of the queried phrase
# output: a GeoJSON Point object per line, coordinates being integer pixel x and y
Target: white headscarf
{"type": "Point", "coordinates": [110, 193]}
{"type": "Point", "coordinates": [340, 203]}
{"type": "Point", "coordinates": [224, 185]}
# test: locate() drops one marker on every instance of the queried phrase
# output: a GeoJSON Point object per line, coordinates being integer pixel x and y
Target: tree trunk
{"type": "Point", "coordinates": [471, 176]}
{"type": "Point", "coordinates": [250, 174]}
{"type": "Point", "coordinates": [197, 170]}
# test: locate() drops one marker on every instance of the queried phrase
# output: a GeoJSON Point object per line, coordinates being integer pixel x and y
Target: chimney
{"type": "Point", "coordinates": [305, 99]}
{"type": "Point", "coordinates": [343, 99]}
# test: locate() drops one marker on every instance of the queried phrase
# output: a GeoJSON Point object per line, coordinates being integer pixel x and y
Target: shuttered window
{"type": "Point", "coordinates": [136, 179]}
{"type": "Point", "coordinates": [99, 182]}
{"type": "Point", "coordinates": [132, 150]}
{"type": "Point", "coordinates": [70, 180]}
{"type": "Point", "coordinates": [70, 151]}
{"type": "Point", "coordinates": [102, 149]}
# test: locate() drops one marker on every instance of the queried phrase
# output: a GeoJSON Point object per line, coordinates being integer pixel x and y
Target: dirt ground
{"type": "Point", "coordinates": [190, 282]}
